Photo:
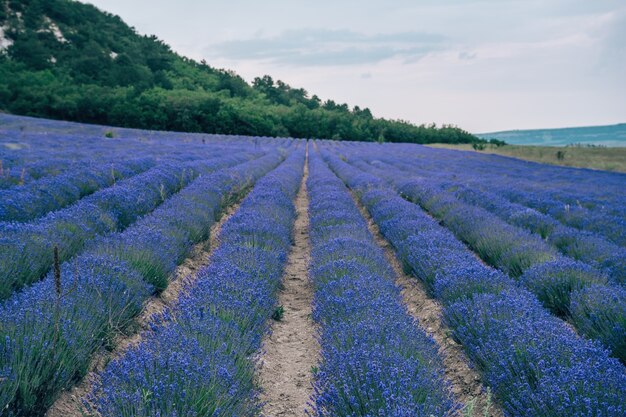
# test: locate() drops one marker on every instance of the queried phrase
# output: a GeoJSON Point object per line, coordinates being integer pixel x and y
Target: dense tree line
{"type": "Point", "coordinates": [71, 61]}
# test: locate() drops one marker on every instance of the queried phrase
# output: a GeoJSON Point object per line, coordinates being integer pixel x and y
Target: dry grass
{"type": "Point", "coordinates": [607, 159]}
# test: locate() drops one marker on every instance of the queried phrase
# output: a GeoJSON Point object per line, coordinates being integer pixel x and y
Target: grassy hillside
{"type": "Point", "coordinates": [612, 135]}
{"type": "Point", "coordinates": [67, 60]}
{"type": "Point", "coordinates": [608, 159]}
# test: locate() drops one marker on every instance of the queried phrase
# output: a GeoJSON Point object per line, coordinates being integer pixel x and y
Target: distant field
{"type": "Point", "coordinates": [610, 135]}
{"type": "Point", "coordinates": [608, 159]}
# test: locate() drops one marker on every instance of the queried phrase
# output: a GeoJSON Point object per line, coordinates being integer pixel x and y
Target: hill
{"type": "Point", "coordinates": [66, 60]}
{"type": "Point", "coordinates": [612, 135]}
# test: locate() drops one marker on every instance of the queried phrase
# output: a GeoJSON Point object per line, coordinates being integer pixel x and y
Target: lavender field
{"type": "Point", "coordinates": [147, 273]}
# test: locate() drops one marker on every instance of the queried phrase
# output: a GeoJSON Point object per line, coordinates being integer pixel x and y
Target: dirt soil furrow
{"type": "Point", "coordinates": [291, 350]}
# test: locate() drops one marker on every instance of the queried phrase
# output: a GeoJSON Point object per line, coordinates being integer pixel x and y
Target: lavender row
{"type": "Point", "coordinates": [14, 127]}
{"type": "Point", "coordinates": [50, 332]}
{"type": "Point", "coordinates": [46, 164]}
{"type": "Point", "coordinates": [596, 191]}
{"type": "Point", "coordinates": [375, 358]}
{"type": "Point", "coordinates": [578, 226]}
{"type": "Point", "coordinates": [574, 213]}
{"type": "Point", "coordinates": [438, 195]}
{"type": "Point", "coordinates": [579, 245]}
{"type": "Point", "coordinates": [24, 141]}
{"type": "Point", "coordinates": [33, 149]}
{"type": "Point", "coordinates": [563, 277]}
{"type": "Point", "coordinates": [199, 361]}
{"type": "Point", "coordinates": [594, 201]}
{"type": "Point", "coordinates": [26, 249]}
{"type": "Point", "coordinates": [14, 175]}
{"type": "Point", "coordinates": [30, 201]}
{"type": "Point", "coordinates": [552, 278]}
{"type": "Point", "coordinates": [533, 362]}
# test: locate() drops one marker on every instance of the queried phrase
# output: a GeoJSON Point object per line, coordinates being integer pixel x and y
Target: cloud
{"type": "Point", "coordinates": [322, 47]}
{"type": "Point", "coordinates": [467, 56]}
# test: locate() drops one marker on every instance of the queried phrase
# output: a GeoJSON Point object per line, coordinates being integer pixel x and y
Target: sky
{"type": "Point", "coordinates": [483, 65]}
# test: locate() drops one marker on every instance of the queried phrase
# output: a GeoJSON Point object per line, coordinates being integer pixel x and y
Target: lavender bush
{"type": "Point", "coordinates": [50, 342]}
{"type": "Point", "coordinates": [375, 359]}
{"type": "Point", "coordinates": [199, 361]}
{"type": "Point", "coordinates": [533, 362]}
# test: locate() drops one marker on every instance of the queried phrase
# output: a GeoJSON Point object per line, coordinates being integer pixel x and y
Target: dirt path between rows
{"type": "Point", "coordinates": [466, 382]}
{"type": "Point", "coordinates": [70, 403]}
{"type": "Point", "coordinates": [291, 350]}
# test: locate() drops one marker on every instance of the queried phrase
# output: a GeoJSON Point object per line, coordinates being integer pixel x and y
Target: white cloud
{"type": "Point", "coordinates": [322, 47]}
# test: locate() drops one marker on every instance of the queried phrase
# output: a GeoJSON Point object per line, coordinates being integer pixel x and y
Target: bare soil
{"type": "Point", "coordinates": [465, 382]}
{"type": "Point", "coordinates": [71, 403]}
{"type": "Point", "coordinates": [291, 350]}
